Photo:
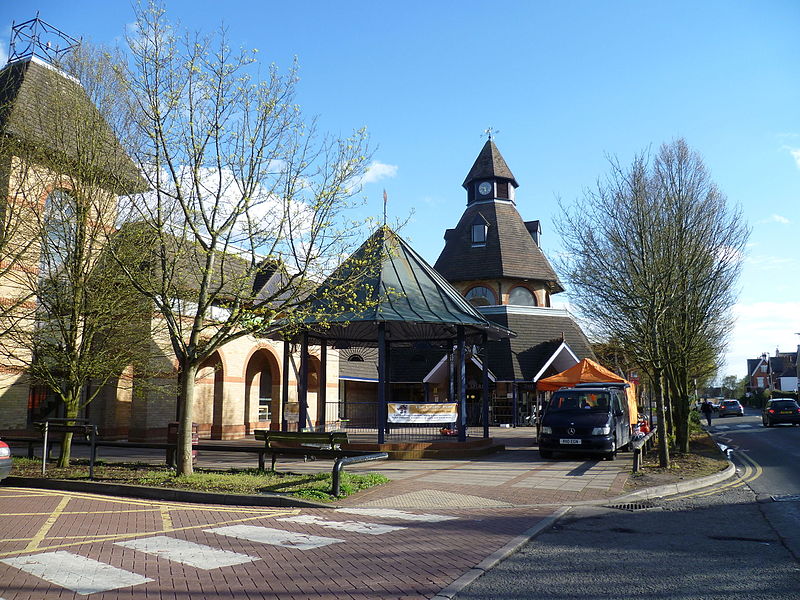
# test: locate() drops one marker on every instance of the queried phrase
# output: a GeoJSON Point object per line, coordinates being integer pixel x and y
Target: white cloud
{"type": "Point", "coordinates": [377, 171]}
{"type": "Point", "coordinates": [771, 263]}
{"type": "Point", "coordinates": [795, 155]}
{"type": "Point", "coordinates": [776, 219]}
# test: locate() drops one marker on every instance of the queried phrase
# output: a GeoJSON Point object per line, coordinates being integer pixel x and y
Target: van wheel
{"type": "Point", "coordinates": [613, 454]}
{"type": "Point", "coordinates": [546, 453]}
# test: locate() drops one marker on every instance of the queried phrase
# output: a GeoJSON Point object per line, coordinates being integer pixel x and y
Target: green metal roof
{"type": "Point", "coordinates": [402, 291]}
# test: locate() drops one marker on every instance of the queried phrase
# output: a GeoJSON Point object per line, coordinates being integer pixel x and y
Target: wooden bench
{"type": "Point", "coordinates": [317, 444]}
{"type": "Point", "coordinates": [300, 443]}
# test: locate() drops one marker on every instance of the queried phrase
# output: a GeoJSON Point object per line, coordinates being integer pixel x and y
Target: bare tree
{"type": "Point", "coordinates": [653, 256]}
{"type": "Point", "coordinates": [247, 205]}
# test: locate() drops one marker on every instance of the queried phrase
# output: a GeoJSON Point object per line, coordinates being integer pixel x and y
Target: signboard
{"type": "Point", "coordinates": [441, 412]}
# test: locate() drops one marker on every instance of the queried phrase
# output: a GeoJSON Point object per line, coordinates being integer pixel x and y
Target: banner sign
{"type": "Point", "coordinates": [423, 413]}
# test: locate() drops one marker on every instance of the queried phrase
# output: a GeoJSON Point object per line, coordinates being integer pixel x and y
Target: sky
{"type": "Point", "coordinates": [565, 85]}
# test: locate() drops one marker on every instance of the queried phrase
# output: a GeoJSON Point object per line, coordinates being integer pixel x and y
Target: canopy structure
{"type": "Point", "coordinates": [405, 294]}
{"type": "Point", "coordinates": [588, 371]}
{"type": "Point", "coordinates": [401, 301]}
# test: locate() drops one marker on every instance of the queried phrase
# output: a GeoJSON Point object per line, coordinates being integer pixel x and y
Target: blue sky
{"type": "Point", "coordinates": [565, 84]}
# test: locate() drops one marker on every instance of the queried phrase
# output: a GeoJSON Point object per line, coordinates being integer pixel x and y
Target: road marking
{"type": "Point", "coordinates": [185, 552]}
{"type": "Point", "coordinates": [127, 536]}
{"type": "Point", "coordinates": [166, 518]}
{"type": "Point", "coordinates": [275, 537]}
{"type": "Point", "coordinates": [77, 573]}
{"type": "Point", "coordinates": [48, 524]}
{"type": "Point", "coordinates": [392, 513]}
{"type": "Point", "coordinates": [354, 526]}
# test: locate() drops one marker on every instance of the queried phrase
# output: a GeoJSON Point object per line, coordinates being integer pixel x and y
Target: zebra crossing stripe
{"type": "Point", "coordinates": [82, 575]}
{"type": "Point", "coordinates": [195, 555]}
{"type": "Point", "coordinates": [354, 526]}
{"type": "Point", "coordinates": [392, 513]}
{"type": "Point", "coordinates": [275, 537]}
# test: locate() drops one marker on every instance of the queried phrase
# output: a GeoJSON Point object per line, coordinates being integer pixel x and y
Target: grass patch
{"type": "Point", "coordinates": [235, 481]}
{"type": "Point", "coordinates": [704, 458]}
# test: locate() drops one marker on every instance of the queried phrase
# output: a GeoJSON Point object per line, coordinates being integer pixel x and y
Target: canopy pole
{"type": "Point", "coordinates": [485, 407]}
{"type": "Point", "coordinates": [462, 386]}
{"type": "Point", "coordinates": [285, 386]}
{"type": "Point", "coordinates": [302, 386]}
{"type": "Point", "coordinates": [381, 383]}
{"type": "Point", "coordinates": [322, 395]}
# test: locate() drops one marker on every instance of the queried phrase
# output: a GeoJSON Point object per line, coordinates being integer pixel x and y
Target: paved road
{"type": "Point", "coordinates": [733, 541]}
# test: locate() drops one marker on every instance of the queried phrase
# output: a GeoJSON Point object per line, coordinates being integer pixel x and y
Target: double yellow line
{"type": "Point", "coordinates": [751, 471]}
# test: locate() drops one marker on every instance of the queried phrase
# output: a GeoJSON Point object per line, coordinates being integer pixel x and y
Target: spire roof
{"type": "Point", "coordinates": [490, 164]}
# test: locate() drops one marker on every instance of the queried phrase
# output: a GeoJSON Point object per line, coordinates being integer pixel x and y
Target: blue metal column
{"type": "Point", "coordinates": [485, 407]}
{"type": "Point", "coordinates": [322, 395]}
{"type": "Point", "coordinates": [285, 386]}
{"type": "Point", "coordinates": [462, 386]}
{"type": "Point", "coordinates": [381, 383]}
{"type": "Point", "coordinates": [302, 385]}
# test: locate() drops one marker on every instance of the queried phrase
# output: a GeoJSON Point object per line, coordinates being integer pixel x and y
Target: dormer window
{"type": "Point", "coordinates": [479, 234]}
{"type": "Point", "coordinates": [480, 229]}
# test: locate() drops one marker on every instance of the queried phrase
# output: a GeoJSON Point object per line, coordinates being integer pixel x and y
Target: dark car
{"type": "Point", "coordinates": [585, 420]}
{"type": "Point", "coordinates": [5, 460]}
{"type": "Point", "coordinates": [730, 407]}
{"type": "Point", "coordinates": [780, 410]}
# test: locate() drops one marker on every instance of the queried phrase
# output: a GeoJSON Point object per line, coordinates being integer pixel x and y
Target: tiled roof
{"type": "Point", "coordinates": [489, 164]}
{"type": "Point", "coordinates": [538, 336]}
{"type": "Point", "coordinates": [50, 113]}
{"type": "Point", "coordinates": [509, 250]}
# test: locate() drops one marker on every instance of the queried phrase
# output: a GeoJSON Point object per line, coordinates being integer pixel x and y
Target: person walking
{"type": "Point", "coordinates": [706, 408]}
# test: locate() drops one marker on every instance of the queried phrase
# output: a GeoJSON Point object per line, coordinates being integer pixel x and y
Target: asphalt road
{"type": "Point", "coordinates": [735, 541]}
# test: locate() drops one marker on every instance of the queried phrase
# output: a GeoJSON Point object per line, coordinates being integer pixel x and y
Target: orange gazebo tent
{"type": "Point", "coordinates": [588, 371]}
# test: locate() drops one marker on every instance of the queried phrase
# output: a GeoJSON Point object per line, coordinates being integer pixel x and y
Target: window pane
{"type": "Point", "coordinates": [480, 296]}
{"type": "Point", "coordinates": [521, 296]}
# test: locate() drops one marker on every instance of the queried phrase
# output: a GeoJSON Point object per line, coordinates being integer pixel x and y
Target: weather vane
{"type": "Point", "coordinates": [40, 39]}
{"type": "Point", "coordinates": [490, 132]}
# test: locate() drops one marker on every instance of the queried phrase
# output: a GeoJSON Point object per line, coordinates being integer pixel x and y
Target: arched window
{"type": "Point", "coordinates": [60, 225]}
{"type": "Point", "coordinates": [480, 296]}
{"type": "Point", "coordinates": [521, 296]}
{"type": "Point", "coordinates": [355, 358]}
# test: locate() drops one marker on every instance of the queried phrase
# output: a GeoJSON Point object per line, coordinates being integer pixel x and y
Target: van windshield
{"type": "Point", "coordinates": [579, 400]}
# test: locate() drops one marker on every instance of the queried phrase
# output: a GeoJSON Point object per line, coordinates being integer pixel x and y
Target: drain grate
{"type": "Point", "coordinates": [633, 506]}
{"type": "Point", "coordinates": [786, 498]}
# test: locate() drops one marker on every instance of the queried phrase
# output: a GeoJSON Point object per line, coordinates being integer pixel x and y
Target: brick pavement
{"type": "Point", "coordinates": [170, 550]}
{"type": "Point", "coordinates": [118, 548]}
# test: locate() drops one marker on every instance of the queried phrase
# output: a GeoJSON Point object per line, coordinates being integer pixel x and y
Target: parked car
{"type": "Point", "coordinates": [780, 410]}
{"type": "Point", "coordinates": [5, 460]}
{"type": "Point", "coordinates": [586, 419]}
{"type": "Point", "coordinates": [730, 407]}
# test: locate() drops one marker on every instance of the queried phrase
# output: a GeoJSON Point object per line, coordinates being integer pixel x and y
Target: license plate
{"type": "Point", "coordinates": [786, 412]}
{"type": "Point", "coordinates": [568, 441]}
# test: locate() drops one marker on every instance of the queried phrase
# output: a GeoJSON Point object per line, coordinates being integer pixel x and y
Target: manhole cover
{"type": "Point", "coordinates": [787, 498]}
{"type": "Point", "coordinates": [633, 506]}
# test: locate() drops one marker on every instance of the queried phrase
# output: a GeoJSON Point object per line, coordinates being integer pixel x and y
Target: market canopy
{"type": "Point", "coordinates": [588, 371]}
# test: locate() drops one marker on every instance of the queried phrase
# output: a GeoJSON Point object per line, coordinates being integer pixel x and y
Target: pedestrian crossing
{"type": "Point", "coordinates": [719, 427]}
{"type": "Point", "coordinates": [85, 576]}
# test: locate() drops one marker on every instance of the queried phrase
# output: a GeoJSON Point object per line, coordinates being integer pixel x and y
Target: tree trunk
{"type": "Point", "coordinates": [186, 410]}
{"type": "Point", "coordinates": [70, 412]}
{"type": "Point", "coordinates": [663, 448]}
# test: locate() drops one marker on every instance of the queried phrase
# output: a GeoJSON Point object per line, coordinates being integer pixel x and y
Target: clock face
{"type": "Point", "coordinates": [484, 188]}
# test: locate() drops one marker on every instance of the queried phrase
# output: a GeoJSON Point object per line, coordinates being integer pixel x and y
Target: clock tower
{"type": "Point", "coordinates": [490, 178]}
